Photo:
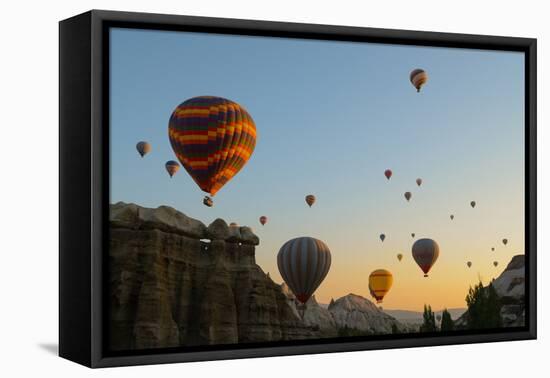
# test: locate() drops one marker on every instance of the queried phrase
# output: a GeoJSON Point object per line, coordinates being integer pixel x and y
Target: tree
{"type": "Point", "coordinates": [429, 320]}
{"type": "Point", "coordinates": [446, 321]}
{"type": "Point", "coordinates": [483, 307]}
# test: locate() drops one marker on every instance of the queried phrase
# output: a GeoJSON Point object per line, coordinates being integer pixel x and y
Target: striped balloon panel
{"type": "Point", "coordinates": [213, 138]}
{"type": "Point", "coordinates": [418, 78]}
{"type": "Point", "coordinates": [425, 252]}
{"type": "Point", "coordinates": [304, 263]}
{"type": "Point", "coordinates": [380, 282]}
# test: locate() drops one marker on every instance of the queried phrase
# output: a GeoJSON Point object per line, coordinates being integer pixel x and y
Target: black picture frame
{"type": "Point", "coordinates": [84, 186]}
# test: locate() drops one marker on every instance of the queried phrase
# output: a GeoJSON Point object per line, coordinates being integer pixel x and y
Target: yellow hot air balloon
{"type": "Point", "coordinates": [380, 282]}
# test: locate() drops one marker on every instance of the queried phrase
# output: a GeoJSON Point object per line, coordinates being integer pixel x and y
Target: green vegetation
{"type": "Point", "coordinates": [483, 307]}
{"type": "Point", "coordinates": [446, 321]}
{"type": "Point", "coordinates": [429, 320]}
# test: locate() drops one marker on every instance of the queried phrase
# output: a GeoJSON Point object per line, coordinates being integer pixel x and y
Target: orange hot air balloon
{"type": "Point", "coordinates": [469, 263]}
{"type": "Point", "coordinates": [418, 78]}
{"type": "Point", "coordinates": [380, 282]}
{"type": "Point", "coordinates": [418, 181]}
{"type": "Point", "coordinates": [213, 138]}
{"type": "Point", "coordinates": [504, 241]}
{"type": "Point", "coordinates": [172, 167]}
{"type": "Point", "coordinates": [263, 220]}
{"type": "Point", "coordinates": [143, 148]}
{"type": "Point", "coordinates": [399, 256]}
{"type": "Point", "coordinates": [310, 199]}
{"type": "Point", "coordinates": [425, 252]}
{"type": "Point", "coordinates": [388, 173]}
{"type": "Point", "coordinates": [408, 195]}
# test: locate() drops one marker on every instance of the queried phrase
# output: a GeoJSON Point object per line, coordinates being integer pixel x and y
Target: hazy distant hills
{"type": "Point", "coordinates": [406, 316]}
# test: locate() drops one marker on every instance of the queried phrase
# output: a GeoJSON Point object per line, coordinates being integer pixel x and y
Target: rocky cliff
{"type": "Point", "coordinates": [176, 282]}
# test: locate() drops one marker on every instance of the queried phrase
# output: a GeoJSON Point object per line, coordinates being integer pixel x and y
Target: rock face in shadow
{"type": "Point", "coordinates": [170, 287]}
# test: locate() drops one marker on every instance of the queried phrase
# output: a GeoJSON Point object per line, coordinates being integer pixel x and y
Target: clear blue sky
{"type": "Point", "coordinates": [331, 117]}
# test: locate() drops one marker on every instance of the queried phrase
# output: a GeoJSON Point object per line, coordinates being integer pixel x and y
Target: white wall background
{"type": "Point", "coordinates": [29, 185]}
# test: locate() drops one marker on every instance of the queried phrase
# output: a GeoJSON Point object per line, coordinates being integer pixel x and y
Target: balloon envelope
{"type": "Point", "coordinates": [388, 173]}
{"type": "Point", "coordinates": [304, 263]}
{"type": "Point", "coordinates": [380, 282]}
{"type": "Point", "coordinates": [452, 217]}
{"type": "Point", "coordinates": [213, 138]}
{"type": "Point", "coordinates": [425, 252]}
{"type": "Point", "coordinates": [413, 235]}
{"type": "Point", "coordinates": [408, 196]}
{"type": "Point", "coordinates": [143, 148]}
{"type": "Point", "coordinates": [418, 181]}
{"type": "Point", "coordinates": [469, 263]}
{"type": "Point", "coordinates": [495, 263]}
{"type": "Point", "coordinates": [473, 204]}
{"type": "Point", "coordinates": [172, 167]}
{"type": "Point", "coordinates": [263, 220]}
{"type": "Point", "coordinates": [399, 256]}
{"type": "Point", "coordinates": [382, 237]}
{"type": "Point", "coordinates": [504, 241]}
{"type": "Point", "coordinates": [310, 199]}
{"type": "Point", "coordinates": [418, 78]}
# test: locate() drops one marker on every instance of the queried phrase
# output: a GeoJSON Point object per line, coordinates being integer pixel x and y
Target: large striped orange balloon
{"type": "Point", "coordinates": [380, 282]}
{"type": "Point", "coordinates": [213, 138]}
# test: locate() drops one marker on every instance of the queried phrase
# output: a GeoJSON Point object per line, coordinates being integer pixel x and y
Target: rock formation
{"type": "Point", "coordinates": [175, 282]}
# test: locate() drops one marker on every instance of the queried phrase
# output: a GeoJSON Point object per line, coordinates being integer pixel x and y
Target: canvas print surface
{"type": "Point", "coordinates": [267, 190]}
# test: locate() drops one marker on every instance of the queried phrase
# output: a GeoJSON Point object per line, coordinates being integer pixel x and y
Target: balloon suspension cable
{"type": "Point", "coordinates": [301, 307]}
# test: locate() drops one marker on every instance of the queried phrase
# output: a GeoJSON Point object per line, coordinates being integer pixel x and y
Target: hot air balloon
{"type": "Point", "coordinates": [495, 263]}
{"type": "Point", "coordinates": [504, 241]}
{"type": "Point", "coordinates": [388, 173]}
{"type": "Point", "coordinates": [263, 220]}
{"type": "Point", "coordinates": [143, 148]}
{"type": "Point", "coordinates": [418, 181]}
{"type": "Point", "coordinates": [310, 199]}
{"type": "Point", "coordinates": [473, 204]}
{"type": "Point", "coordinates": [380, 282]}
{"type": "Point", "coordinates": [213, 138]}
{"type": "Point", "coordinates": [413, 235]}
{"type": "Point", "coordinates": [469, 263]}
{"type": "Point", "coordinates": [438, 317]}
{"type": "Point", "coordinates": [207, 201]}
{"type": "Point", "coordinates": [408, 195]}
{"type": "Point", "coordinates": [418, 78]}
{"type": "Point", "coordinates": [425, 252]}
{"type": "Point", "coordinates": [303, 263]}
{"type": "Point", "coordinates": [399, 256]}
{"type": "Point", "coordinates": [382, 237]}
{"type": "Point", "coordinates": [452, 217]}
{"type": "Point", "coordinates": [172, 167]}
{"type": "Point", "coordinates": [493, 249]}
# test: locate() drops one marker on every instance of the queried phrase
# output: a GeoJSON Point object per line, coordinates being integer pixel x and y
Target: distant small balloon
{"type": "Point", "coordinates": [452, 217]}
{"type": "Point", "coordinates": [399, 256]}
{"type": "Point", "coordinates": [172, 167]}
{"type": "Point", "coordinates": [469, 263]}
{"type": "Point", "coordinates": [408, 195]}
{"type": "Point", "coordinates": [495, 263]}
{"type": "Point", "coordinates": [473, 204]}
{"type": "Point", "coordinates": [504, 241]}
{"type": "Point", "coordinates": [310, 199]}
{"type": "Point", "coordinates": [418, 78]}
{"type": "Point", "coordinates": [263, 220]}
{"type": "Point", "coordinates": [382, 237]}
{"type": "Point", "coordinates": [493, 249]}
{"type": "Point", "coordinates": [418, 181]}
{"type": "Point", "coordinates": [413, 235]}
{"type": "Point", "coordinates": [143, 148]}
{"type": "Point", "coordinates": [388, 173]}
